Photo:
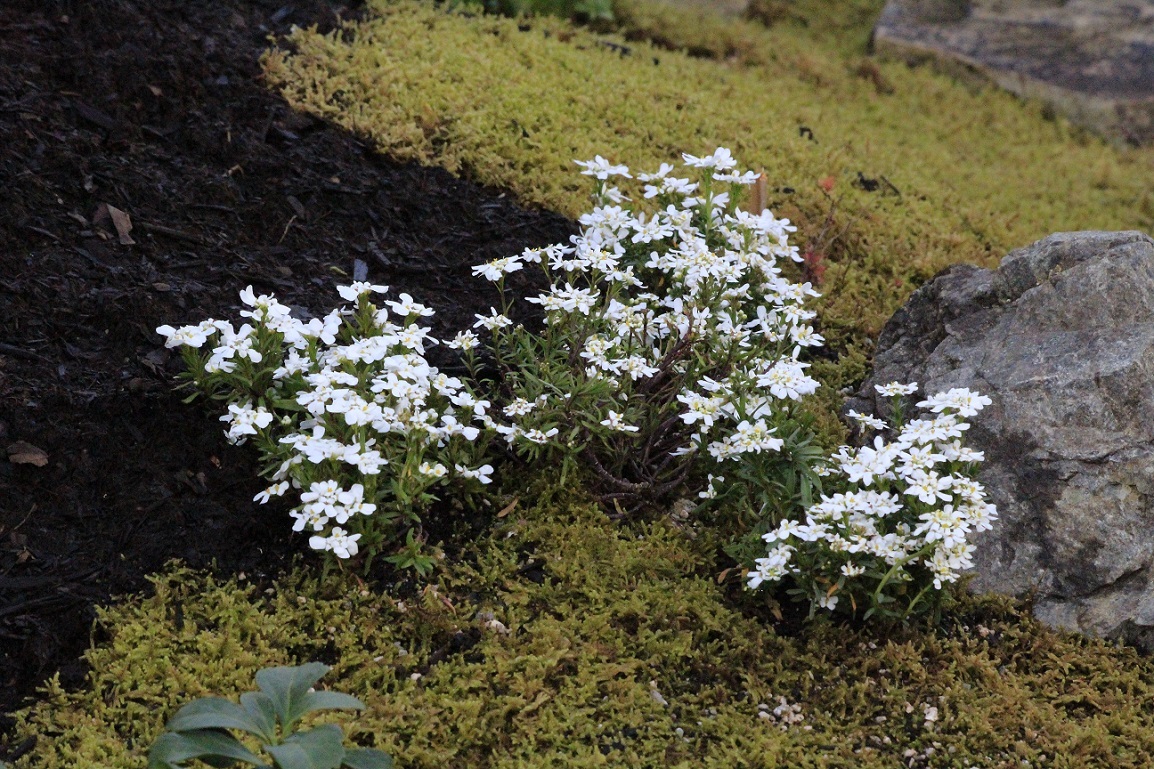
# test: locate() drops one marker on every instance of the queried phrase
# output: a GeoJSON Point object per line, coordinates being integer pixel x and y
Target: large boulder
{"type": "Point", "coordinates": [1090, 59]}
{"type": "Point", "coordinates": [1061, 337]}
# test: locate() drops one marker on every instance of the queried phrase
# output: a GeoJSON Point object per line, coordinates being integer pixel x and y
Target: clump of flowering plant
{"type": "Point", "coordinates": [347, 413]}
{"type": "Point", "coordinates": [672, 343]}
{"type": "Point", "coordinates": [672, 353]}
{"type": "Point", "coordinates": [897, 532]}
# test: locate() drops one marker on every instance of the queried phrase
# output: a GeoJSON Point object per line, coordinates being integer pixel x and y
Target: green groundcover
{"type": "Point", "coordinates": [564, 639]}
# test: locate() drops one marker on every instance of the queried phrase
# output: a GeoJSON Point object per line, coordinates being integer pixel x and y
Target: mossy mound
{"type": "Point", "coordinates": [947, 173]}
{"type": "Point", "coordinates": [565, 639]}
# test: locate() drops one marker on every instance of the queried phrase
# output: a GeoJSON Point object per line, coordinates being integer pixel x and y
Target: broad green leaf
{"type": "Point", "coordinates": [287, 687]}
{"type": "Point", "coordinates": [210, 745]}
{"type": "Point", "coordinates": [331, 701]}
{"type": "Point", "coordinates": [261, 710]}
{"type": "Point", "coordinates": [215, 713]}
{"type": "Point", "coordinates": [289, 757]}
{"type": "Point", "coordinates": [318, 748]}
{"type": "Point", "coordinates": [367, 758]}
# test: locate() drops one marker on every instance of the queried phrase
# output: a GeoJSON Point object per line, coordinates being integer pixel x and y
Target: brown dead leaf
{"type": "Point", "coordinates": [22, 453]}
{"type": "Point", "coordinates": [509, 507]}
{"type": "Point", "coordinates": [123, 224]}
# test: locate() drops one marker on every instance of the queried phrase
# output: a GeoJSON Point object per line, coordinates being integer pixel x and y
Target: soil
{"type": "Point", "coordinates": [154, 111]}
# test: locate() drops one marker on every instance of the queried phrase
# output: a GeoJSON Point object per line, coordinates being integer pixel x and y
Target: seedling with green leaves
{"type": "Point", "coordinates": [201, 729]}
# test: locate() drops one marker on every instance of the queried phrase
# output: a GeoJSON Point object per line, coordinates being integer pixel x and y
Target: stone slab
{"type": "Point", "coordinates": [1092, 60]}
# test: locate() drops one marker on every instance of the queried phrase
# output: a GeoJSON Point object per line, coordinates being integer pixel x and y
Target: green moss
{"type": "Point", "coordinates": [962, 174]}
{"type": "Point", "coordinates": [616, 647]}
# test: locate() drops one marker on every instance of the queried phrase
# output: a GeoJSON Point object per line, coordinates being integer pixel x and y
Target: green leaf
{"type": "Point", "coordinates": [216, 713]}
{"type": "Point", "coordinates": [209, 745]}
{"type": "Point", "coordinates": [367, 758]}
{"type": "Point", "coordinates": [261, 710]}
{"type": "Point", "coordinates": [287, 687]}
{"type": "Point", "coordinates": [332, 701]}
{"type": "Point", "coordinates": [319, 748]}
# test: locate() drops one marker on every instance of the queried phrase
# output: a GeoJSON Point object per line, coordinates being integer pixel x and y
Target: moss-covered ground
{"type": "Point", "coordinates": [561, 638]}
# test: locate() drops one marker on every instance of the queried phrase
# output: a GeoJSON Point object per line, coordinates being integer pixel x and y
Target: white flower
{"type": "Point", "coordinates": [245, 420]}
{"type": "Point", "coordinates": [368, 462]}
{"type": "Point", "coordinates": [464, 340]}
{"type": "Point", "coordinates": [721, 159]}
{"type": "Point", "coordinates": [414, 337]}
{"type": "Point", "coordinates": [498, 268]}
{"type": "Point", "coordinates": [358, 289]}
{"type": "Point", "coordinates": [852, 569]}
{"type": "Point", "coordinates": [804, 336]}
{"type": "Point", "coordinates": [747, 178]}
{"type": "Point", "coordinates": [929, 487]}
{"type": "Point", "coordinates": [896, 389]}
{"type": "Point", "coordinates": [537, 436]}
{"type": "Point", "coordinates": [186, 336]}
{"type": "Point", "coordinates": [615, 422]}
{"type": "Point", "coordinates": [433, 469]}
{"type": "Point", "coordinates": [943, 525]}
{"type": "Point", "coordinates": [276, 490]}
{"type": "Point", "coordinates": [867, 421]}
{"type": "Point", "coordinates": [785, 379]}
{"type": "Point", "coordinates": [755, 437]}
{"type": "Point", "coordinates": [482, 474]}
{"type": "Point", "coordinates": [700, 409]}
{"type": "Point", "coordinates": [519, 407]}
{"type": "Point", "coordinates": [940, 429]}
{"type": "Point", "coordinates": [827, 602]}
{"type": "Point", "coordinates": [635, 366]}
{"type": "Point", "coordinates": [339, 542]}
{"type": "Point", "coordinates": [711, 489]}
{"type": "Point", "coordinates": [493, 321]}
{"type": "Point", "coordinates": [954, 451]}
{"type": "Point", "coordinates": [965, 402]}
{"type": "Point", "coordinates": [601, 168]}
{"type": "Point", "coordinates": [406, 307]}
{"type": "Point", "coordinates": [661, 173]}
{"type": "Point", "coordinates": [772, 567]}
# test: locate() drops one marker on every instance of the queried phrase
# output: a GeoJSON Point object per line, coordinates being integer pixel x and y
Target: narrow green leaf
{"type": "Point", "coordinates": [209, 745]}
{"type": "Point", "coordinates": [318, 748]}
{"type": "Point", "coordinates": [287, 687]}
{"type": "Point", "coordinates": [367, 758]}
{"type": "Point", "coordinates": [214, 713]}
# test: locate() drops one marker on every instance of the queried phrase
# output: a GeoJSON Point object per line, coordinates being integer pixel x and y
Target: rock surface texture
{"type": "Point", "coordinates": [1061, 337]}
{"type": "Point", "coordinates": [1092, 60]}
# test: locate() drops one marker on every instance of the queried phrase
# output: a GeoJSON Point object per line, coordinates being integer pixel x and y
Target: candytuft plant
{"type": "Point", "coordinates": [673, 346]}
{"type": "Point", "coordinates": [347, 411]}
{"type": "Point", "coordinates": [201, 729]}
{"type": "Point", "coordinates": [672, 362]}
{"type": "Point", "coordinates": [898, 529]}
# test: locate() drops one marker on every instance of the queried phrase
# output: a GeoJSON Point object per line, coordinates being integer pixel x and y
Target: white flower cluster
{"type": "Point", "coordinates": [357, 395]}
{"type": "Point", "coordinates": [913, 505]}
{"type": "Point", "coordinates": [692, 290]}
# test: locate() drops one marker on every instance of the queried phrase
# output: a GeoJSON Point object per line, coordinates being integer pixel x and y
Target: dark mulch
{"type": "Point", "coordinates": [155, 108]}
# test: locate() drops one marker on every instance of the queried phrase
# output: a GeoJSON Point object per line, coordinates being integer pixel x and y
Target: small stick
{"type": "Point", "coordinates": [160, 229]}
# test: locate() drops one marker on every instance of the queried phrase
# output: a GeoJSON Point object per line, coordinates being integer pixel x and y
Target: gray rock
{"type": "Point", "coordinates": [1092, 60]}
{"type": "Point", "coordinates": [1061, 337]}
